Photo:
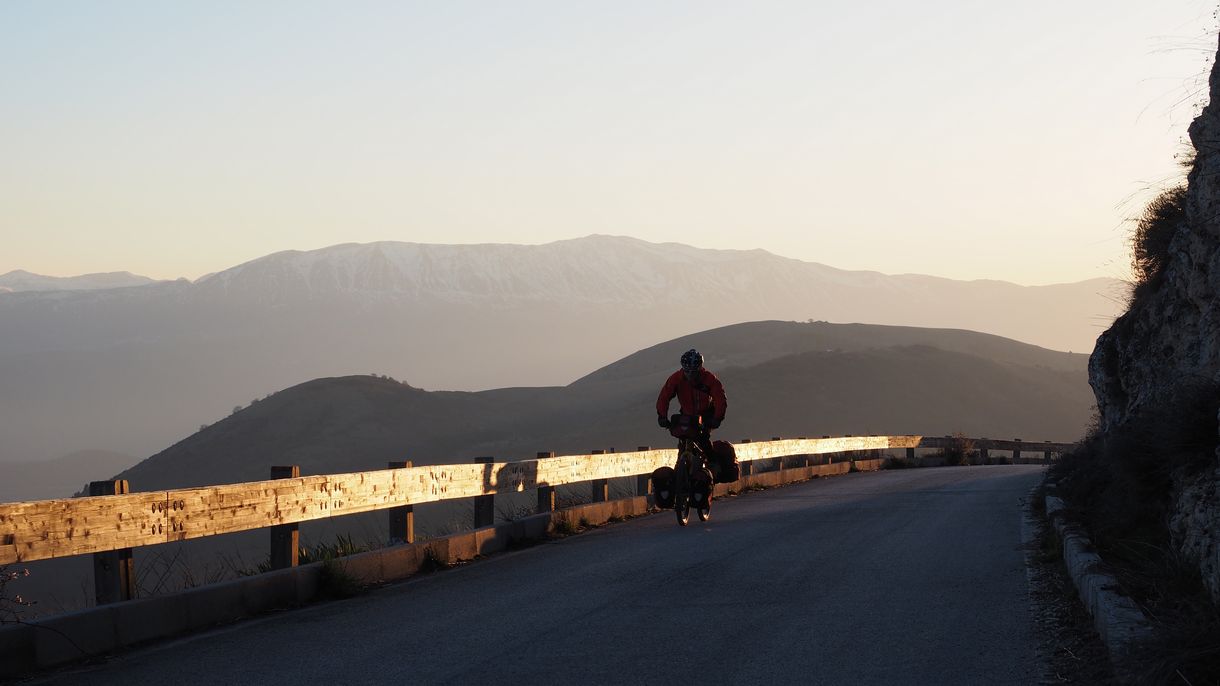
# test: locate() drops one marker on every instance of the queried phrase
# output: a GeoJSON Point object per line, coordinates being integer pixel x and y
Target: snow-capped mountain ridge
{"type": "Point", "coordinates": [597, 268]}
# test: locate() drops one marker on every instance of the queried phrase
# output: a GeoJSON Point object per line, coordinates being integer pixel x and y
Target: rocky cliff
{"type": "Point", "coordinates": [1163, 356]}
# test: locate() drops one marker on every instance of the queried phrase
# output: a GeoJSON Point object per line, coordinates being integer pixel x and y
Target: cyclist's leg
{"type": "Point", "coordinates": [705, 444]}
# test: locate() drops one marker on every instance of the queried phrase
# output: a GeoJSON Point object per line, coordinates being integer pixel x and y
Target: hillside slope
{"type": "Point", "coordinates": [750, 343]}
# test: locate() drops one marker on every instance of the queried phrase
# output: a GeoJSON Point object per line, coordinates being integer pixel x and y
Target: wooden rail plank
{"type": "Point", "coordinates": [75, 526]}
{"type": "Point", "coordinates": [766, 450]}
{"type": "Point", "coordinates": [58, 528]}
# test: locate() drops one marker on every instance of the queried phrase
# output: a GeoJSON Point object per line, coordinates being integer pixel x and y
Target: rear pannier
{"type": "Point", "coordinates": [724, 462]}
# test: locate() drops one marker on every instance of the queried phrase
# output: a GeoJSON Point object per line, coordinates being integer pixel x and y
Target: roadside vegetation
{"type": "Point", "coordinates": [1151, 240]}
{"type": "Point", "coordinates": [12, 605]}
{"type": "Point", "coordinates": [1119, 485]}
{"type": "Point", "coordinates": [894, 462]}
{"type": "Point", "coordinates": [958, 452]}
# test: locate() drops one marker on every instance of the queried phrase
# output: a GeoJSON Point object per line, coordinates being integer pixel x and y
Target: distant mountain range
{"type": "Point", "coordinates": [135, 369]}
{"type": "Point", "coordinates": [783, 379]}
{"type": "Point", "coordinates": [20, 280]}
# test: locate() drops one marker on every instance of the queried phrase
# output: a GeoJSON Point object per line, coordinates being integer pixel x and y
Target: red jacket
{"type": "Point", "coordinates": [702, 397]}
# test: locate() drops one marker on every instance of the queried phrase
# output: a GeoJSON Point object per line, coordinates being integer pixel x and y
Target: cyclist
{"type": "Point", "coordinates": [699, 393]}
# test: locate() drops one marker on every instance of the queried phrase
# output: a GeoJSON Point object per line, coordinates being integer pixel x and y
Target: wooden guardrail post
{"type": "Point", "coordinates": [1016, 452]}
{"type": "Point", "coordinates": [285, 538]}
{"type": "Point", "coordinates": [484, 505]}
{"type": "Point", "coordinates": [546, 494]}
{"type": "Point", "coordinates": [114, 576]}
{"type": "Point", "coordinates": [402, 519]}
{"type": "Point", "coordinates": [984, 452]}
{"type": "Point", "coordinates": [643, 482]}
{"type": "Point", "coordinates": [747, 468]}
{"type": "Point", "coordinates": [599, 489]}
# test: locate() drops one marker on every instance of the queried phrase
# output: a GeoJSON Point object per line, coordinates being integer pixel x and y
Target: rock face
{"type": "Point", "coordinates": [1170, 339]}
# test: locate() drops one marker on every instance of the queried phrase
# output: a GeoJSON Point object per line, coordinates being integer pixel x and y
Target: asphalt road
{"type": "Point", "coordinates": [897, 577]}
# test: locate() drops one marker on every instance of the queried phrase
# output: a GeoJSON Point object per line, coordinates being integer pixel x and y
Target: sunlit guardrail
{"type": "Point", "coordinates": [112, 521]}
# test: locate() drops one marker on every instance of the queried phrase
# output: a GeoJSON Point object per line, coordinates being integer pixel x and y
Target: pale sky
{"type": "Point", "coordinates": [958, 138]}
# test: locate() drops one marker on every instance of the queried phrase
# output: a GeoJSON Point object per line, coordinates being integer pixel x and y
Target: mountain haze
{"type": "Point", "coordinates": [134, 369]}
{"type": "Point", "coordinates": [59, 477]}
{"type": "Point", "coordinates": [798, 388]}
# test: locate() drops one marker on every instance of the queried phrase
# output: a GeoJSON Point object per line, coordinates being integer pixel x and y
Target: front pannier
{"type": "Point", "coordinates": [685, 426]}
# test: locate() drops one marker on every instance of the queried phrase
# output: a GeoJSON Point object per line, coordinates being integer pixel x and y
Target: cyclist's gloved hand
{"type": "Point", "coordinates": [662, 422]}
{"type": "Point", "coordinates": [713, 423]}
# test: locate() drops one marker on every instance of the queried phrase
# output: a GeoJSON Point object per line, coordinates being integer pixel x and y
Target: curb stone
{"type": "Point", "coordinates": [1118, 620]}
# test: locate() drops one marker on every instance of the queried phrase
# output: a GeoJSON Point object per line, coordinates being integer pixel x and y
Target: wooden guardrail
{"type": "Point", "coordinates": [100, 524]}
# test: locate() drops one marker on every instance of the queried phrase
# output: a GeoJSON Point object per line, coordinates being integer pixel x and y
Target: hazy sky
{"type": "Point", "coordinates": [959, 138]}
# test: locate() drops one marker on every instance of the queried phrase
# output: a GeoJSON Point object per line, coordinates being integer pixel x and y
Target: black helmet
{"type": "Point", "coordinates": [692, 361]}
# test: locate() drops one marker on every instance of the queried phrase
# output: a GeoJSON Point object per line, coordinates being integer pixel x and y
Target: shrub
{"type": "Point", "coordinates": [432, 563]}
{"type": "Point", "coordinates": [563, 526]}
{"type": "Point", "coordinates": [1154, 232]}
{"type": "Point", "coordinates": [1122, 480]}
{"type": "Point", "coordinates": [892, 462]}
{"type": "Point", "coordinates": [958, 451]}
{"type": "Point", "coordinates": [334, 583]}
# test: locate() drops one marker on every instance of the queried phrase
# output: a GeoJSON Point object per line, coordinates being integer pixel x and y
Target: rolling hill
{"type": "Point", "coordinates": [876, 380]}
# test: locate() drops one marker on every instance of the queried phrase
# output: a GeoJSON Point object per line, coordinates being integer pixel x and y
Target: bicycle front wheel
{"type": "Point", "coordinates": [705, 509]}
